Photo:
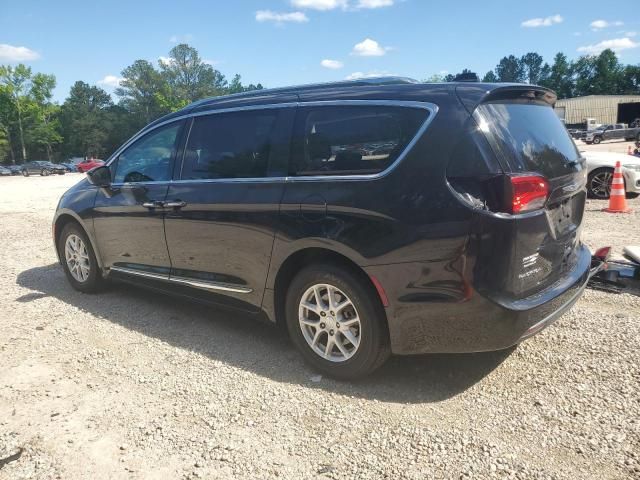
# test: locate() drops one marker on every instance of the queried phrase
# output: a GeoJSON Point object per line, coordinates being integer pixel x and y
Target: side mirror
{"type": "Point", "coordinates": [99, 176]}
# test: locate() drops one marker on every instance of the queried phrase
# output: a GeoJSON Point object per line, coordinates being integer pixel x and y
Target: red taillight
{"type": "Point", "coordinates": [528, 192]}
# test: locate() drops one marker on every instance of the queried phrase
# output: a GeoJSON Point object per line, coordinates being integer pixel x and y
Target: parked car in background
{"type": "Point", "coordinates": [600, 166]}
{"type": "Point", "coordinates": [88, 164]}
{"type": "Point", "coordinates": [69, 167]}
{"type": "Point", "coordinates": [367, 217]}
{"type": "Point", "coordinates": [15, 169]}
{"type": "Point", "coordinates": [42, 167]}
{"type": "Point", "coordinates": [5, 172]}
{"type": "Point", "coordinates": [618, 131]}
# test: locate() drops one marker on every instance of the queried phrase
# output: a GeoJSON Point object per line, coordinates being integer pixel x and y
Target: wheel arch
{"type": "Point", "coordinates": [63, 218]}
{"type": "Point", "coordinates": [306, 256]}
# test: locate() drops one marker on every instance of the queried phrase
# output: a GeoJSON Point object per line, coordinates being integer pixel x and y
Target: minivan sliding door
{"type": "Point", "coordinates": [226, 200]}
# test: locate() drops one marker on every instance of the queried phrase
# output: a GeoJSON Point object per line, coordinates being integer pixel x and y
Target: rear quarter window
{"type": "Point", "coordinates": [352, 139]}
{"type": "Point", "coordinates": [528, 138]}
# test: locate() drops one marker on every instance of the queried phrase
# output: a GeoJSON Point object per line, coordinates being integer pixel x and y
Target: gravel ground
{"type": "Point", "coordinates": [128, 384]}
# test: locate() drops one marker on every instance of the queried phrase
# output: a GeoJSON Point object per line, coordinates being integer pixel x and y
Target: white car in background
{"type": "Point", "coordinates": [600, 166]}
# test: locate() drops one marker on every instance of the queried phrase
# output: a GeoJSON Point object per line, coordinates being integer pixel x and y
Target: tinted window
{"type": "Point", "coordinates": [528, 138]}
{"type": "Point", "coordinates": [353, 139]}
{"type": "Point", "coordinates": [148, 159]}
{"type": "Point", "coordinates": [229, 145]}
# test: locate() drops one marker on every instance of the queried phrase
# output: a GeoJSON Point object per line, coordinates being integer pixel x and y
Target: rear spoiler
{"type": "Point", "coordinates": [473, 95]}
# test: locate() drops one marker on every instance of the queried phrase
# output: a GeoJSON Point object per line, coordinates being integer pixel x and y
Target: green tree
{"type": "Point", "coordinates": [16, 82]}
{"type": "Point", "coordinates": [560, 77]}
{"type": "Point", "coordinates": [43, 128]}
{"type": "Point", "coordinates": [85, 120]}
{"type": "Point", "coordinates": [630, 84]}
{"type": "Point", "coordinates": [533, 69]}
{"type": "Point", "coordinates": [141, 91]}
{"type": "Point", "coordinates": [189, 78]}
{"type": "Point", "coordinates": [510, 69]}
{"type": "Point", "coordinates": [490, 77]}
{"type": "Point", "coordinates": [7, 115]}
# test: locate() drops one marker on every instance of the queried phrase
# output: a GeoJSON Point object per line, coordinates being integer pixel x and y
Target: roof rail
{"type": "Point", "coordinates": [359, 82]}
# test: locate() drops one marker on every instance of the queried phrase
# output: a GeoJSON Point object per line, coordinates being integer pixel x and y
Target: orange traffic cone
{"type": "Point", "coordinates": [618, 197]}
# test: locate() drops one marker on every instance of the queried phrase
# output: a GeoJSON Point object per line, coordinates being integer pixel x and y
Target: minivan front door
{"type": "Point", "coordinates": [129, 215]}
{"type": "Point", "coordinates": [221, 230]}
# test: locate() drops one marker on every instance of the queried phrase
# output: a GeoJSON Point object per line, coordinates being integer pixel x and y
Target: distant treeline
{"type": "Point", "coordinates": [89, 123]}
{"type": "Point", "coordinates": [601, 74]}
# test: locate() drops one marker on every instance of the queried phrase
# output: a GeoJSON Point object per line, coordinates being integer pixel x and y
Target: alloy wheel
{"type": "Point", "coordinates": [329, 322]}
{"type": "Point", "coordinates": [600, 184]}
{"type": "Point", "coordinates": [77, 258]}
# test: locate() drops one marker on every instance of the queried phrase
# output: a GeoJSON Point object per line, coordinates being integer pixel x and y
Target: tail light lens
{"type": "Point", "coordinates": [528, 192]}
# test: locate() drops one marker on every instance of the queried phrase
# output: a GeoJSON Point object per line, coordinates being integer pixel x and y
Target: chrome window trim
{"type": "Point", "coordinates": [430, 107]}
{"type": "Point", "coordinates": [216, 286]}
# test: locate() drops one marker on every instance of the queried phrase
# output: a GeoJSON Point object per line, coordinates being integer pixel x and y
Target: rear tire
{"type": "Point", "coordinates": [79, 260]}
{"type": "Point", "coordinates": [596, 140]}
{"type": "Point", "coordinates": [44, 173]}
{"type": "Point", "coordinates": [363, 336]}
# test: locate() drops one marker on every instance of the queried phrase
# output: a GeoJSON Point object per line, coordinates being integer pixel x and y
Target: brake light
{"type": "Point", "coordinates": [528, 192]}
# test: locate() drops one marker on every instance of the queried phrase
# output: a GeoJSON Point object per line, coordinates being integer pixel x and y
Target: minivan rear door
{"type": "Point", "coordinates": [527, 137]}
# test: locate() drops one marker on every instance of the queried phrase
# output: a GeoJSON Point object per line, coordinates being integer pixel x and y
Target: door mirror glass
{"type": "Point", "coordinates": [100, 176]}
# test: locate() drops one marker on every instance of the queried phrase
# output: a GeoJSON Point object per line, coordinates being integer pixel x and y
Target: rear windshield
{"type": "Point", "coordinates": [528, 138]}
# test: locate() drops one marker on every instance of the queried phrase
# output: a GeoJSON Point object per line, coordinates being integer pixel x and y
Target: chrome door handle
{"type": "Point", "coordinates": [154, 204]}
{"type": "Point", "coordinates": [175, 204]}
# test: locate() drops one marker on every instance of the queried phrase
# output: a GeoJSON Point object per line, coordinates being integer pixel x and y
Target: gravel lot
{"type": "Point", "coordinates": [128, 384]}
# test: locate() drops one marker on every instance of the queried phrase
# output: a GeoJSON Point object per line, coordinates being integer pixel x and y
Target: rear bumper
{"type": "Point", "coordinates": [461, 320]}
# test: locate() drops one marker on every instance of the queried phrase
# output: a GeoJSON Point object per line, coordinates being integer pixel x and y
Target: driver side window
{"type": "Point", "coordinates": [148, 159]}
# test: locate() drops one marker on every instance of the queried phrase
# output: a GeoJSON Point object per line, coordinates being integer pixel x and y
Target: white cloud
{"type": "Point", "coordinates": [332, 64]}
{"type": "Point", "coordinates": [369, 48]}
{"type": "Point", "coordinates": [631, 34]}
{"type": "Point", "coordinates": [615, 44]}
{"type": "Point", "coordinates": [374, 74]}
{"type": "Point", "coordinates": [319, 4]}
{"type": "Point", "coordinates": [186, 38]}
{"type": "Point", "coordinates": [165, 60]}
{"type": "Point", "coordinates": [600, 24]}
{"type": "Point", "coordinates": [374, 3]}
{"type": "Point", "coordinates": [110, 81]}
{"type": "Point", "coordinates": [10, 53]}
{"type": "Point", "coordinates": [542, 22]}
{"type": "Point", "coordinates": [269, 16]}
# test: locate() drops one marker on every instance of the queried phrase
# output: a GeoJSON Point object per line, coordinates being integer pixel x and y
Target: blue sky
{"type": "Point", "coordinates": [285, 42]}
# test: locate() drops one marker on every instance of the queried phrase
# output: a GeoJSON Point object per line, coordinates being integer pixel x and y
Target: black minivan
{"type": "Point", "coordinates": [370, 217]}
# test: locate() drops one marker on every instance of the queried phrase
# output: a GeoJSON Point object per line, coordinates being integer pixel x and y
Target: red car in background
{"type": "Point", "coordinates": [88, 164]}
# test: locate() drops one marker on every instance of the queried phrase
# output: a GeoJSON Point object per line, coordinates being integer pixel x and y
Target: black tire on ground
{"type": "Point", "coordinates": [44, 173]}
{"type": "Point", "coordinates": [25, 173]}
{"type": "Point", "coordinates": [373, 347]}
{"type": "Point", "coordinates": [592, 183]}
{"type": "Point", "coordinates": [596, 140]}
{"type": "Point", "coordinates": [632, 195]}
{"type": "Point", "coordinates": [94, 283]}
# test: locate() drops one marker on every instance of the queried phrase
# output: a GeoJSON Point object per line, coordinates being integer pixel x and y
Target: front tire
{"type": "Point", "coordinates": [596, 140]}
{"type": "Point", "coordinates": [25, 173]}
{"type": "Point", "coordinates": [337, 322]}
{"type": "Point", "coordinates": [599, 183]}
{"type": "Point", "coordinates": [79, 260]}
